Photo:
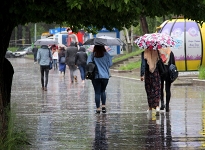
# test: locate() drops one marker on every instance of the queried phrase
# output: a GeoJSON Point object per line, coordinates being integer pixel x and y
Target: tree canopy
{"type": "Point", "coordinates": [97, 13]}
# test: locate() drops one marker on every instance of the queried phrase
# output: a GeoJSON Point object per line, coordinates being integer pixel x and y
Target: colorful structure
{"type": "Point", "coordinates": [190, 36]}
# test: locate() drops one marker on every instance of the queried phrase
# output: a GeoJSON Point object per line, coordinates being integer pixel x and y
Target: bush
{"type": "Point", "coordinates": [202, 73]}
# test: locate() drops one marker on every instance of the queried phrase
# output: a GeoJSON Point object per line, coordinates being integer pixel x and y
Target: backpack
{"type": "Point", "coordinates": [90, 70]}
{"type": "Point", "coordinates": [173, 72]}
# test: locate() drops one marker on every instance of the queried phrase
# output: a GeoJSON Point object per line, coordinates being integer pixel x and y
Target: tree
{"type": "Point", "coordinates": [88, 13]}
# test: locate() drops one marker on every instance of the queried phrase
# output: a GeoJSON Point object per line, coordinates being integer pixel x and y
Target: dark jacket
{"type": "Point", "coordinates": [70, 54]}
{"type": "Point", "coordinates": [81, 57]}
{"type": "Point", "coordinates": [61, 54]}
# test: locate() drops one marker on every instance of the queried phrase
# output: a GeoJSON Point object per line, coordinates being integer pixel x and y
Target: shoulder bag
{"type": "Point", "coordinates": [173, 72]}
{"type": "Point", "coordinates": [90, 70]}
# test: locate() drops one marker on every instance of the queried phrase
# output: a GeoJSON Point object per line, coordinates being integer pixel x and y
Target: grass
{"type": "Point", "coordinates": [126, 55]}
{"type": "Point", "coordinates": [202, 73]}
{"type": "Point", "coordinates": [131, 66]}
{"type": "Point", "coordinates": [14, 138]}
{"type": "Point", "coordinates": [13, 49]}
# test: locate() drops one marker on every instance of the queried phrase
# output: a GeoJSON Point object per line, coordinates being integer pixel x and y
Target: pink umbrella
{"type": "Point", "coordinates": [155, 41]}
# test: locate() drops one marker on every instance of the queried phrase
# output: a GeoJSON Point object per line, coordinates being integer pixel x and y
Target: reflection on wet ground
{"type": "Point", "coordinates": [64, 116]}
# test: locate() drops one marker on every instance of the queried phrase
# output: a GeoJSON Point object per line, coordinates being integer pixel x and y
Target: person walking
{"type": "Point", "coordinates": [35, 50]}
{"type": "Point", "coordinates": [44, 56]}
{"type": "Point", "coordinates": [168, 58]}
{"type": "Point", "coordinates": [103, 62]}
{"type": "Point", "coordinates": [81, 61]}
{"type": "Point", "coordinates": [55, 57]}
{"type": "Point", "coordinates": [150, 75]}
{"type": "Point", "coordinates": [70, 61]}
{"type": "Point", "coordinates": [61, 56]}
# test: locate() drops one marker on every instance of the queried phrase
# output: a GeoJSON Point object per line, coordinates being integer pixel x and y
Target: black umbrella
{"type": "Point", "coordinates": [104, 40]}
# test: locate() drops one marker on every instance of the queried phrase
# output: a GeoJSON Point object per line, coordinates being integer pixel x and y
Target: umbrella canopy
{"type": "Point", "coordinates": [91, 47]}
{"type": "Point", "coordinates": [155, 41]}
{"type": "Point", "coordinates": [46, 41]}
{"type": "Point", "coordinates": [104, 40]}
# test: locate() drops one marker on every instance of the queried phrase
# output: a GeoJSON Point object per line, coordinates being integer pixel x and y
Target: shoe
{"type": "Point", "coordinates": [75, 78]}
{"type": "Point", "coordinates": [45, 88]}
{"type": "Point", "coordinates": [97, 112]}
{"type": "Point", "coordinates": [157, 111]}
{"type": "Point", "coordinates": [103, 110]}
{"type": "Point", "coordinates": [42, 88]}
{"type": "Point", "coordinates": [162, 107]}
{"type": "Point", "coordinates": [83, 81]}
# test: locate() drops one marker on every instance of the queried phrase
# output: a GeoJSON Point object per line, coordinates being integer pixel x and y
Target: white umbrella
{"type": "Point", "coordinates": [46, 41]}
{"type": "Point", "coordinates": [104, 40]}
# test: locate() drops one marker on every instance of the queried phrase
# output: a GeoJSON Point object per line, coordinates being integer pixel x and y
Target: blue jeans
{"type": "Point", "coordinates": [82, 71]}
{"type": "Point", "coordinates": [99, 88]}
{"type": "Point", "coordinates": [55, 66]}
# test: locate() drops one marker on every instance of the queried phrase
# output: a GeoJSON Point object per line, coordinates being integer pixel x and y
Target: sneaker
{"type": "Point", "coordinates": [157, 111]}
{"type": "Point", "coordinates": [103, 110]}
{"type": "Point", "coordinates": [97, 112]}
{"type": "Point", "coordinates": [162, 107]}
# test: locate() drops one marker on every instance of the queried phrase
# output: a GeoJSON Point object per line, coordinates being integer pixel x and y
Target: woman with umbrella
{"type": "Point", "coordinates": [150, 74]}
{"type": "Point", "coordinates": [103, 62]}
{"type": "Point", "coordinates": [152, 43]}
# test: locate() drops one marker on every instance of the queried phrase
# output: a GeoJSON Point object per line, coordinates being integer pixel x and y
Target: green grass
{"type": "Point", "coordinates": [202, 73]}
{"type": "Point", "coordinates": [15, 137]}
{"type": "Point", "coordinates": [13, 49]}
{"type": "Point", "coordinates": [126, 55]}
{"type": "Point", "coordinates": [131, 66]}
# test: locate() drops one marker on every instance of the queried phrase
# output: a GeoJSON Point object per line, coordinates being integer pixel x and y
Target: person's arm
{"type": "Point", "coordinates": [38, 57]}
{"type": "Point", "coordinates": [142, 69]}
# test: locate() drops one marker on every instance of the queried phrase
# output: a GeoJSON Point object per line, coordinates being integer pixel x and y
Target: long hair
{"type": "Point", "coordinates": [99, 50]}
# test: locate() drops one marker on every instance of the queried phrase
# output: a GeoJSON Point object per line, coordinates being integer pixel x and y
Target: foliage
{"type": "Point", "coordinates": [15, 137]}
{"type": "Point", "coordinates": [131, 66]}
{"type": "Point", "coordinates": [202, 73]}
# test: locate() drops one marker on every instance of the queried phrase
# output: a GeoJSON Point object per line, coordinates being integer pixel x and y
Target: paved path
{"type": "Point", "coordinates": [63, 118]}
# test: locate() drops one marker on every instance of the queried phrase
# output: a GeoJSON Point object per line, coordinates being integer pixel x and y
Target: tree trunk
{"type": "Point", "coordinates": [144, 25]}
{"type": "Point", "coordinates": [27, 35]}
{"type": "Point", "coordinates": [6, 75]}
{"type": "Point", "coordinates": [13, 39]}
{"type": "Point", "coordinates": [128, 46]}
{"type": "Point", "coordinates": [19, 35]}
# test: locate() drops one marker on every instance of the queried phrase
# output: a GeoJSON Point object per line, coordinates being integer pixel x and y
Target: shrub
{"type": "Point", "coordinates": [202, 73]}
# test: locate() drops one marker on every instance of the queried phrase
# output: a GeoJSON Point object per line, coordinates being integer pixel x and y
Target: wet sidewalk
{"type": "Point", "coordinates": [63, 118]}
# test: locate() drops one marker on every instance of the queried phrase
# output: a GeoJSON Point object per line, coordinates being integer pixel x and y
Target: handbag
{"type": "Point", "coordinates": [173, 72]}
{"type": "Point", "coordinates": [161, 67]}
{"type": "Point", "coordinates": [51, 62]}
{"type": "Point", "coordinates": [62, 60]}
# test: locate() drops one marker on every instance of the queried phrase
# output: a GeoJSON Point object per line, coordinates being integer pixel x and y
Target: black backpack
{"type": "Point", "coordinates": [90, 70]}
{"type": "Point", "coordinates": [173, 72]}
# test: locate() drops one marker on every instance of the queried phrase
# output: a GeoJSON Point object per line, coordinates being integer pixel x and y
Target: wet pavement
{"type": "Point", "coordinates": [63, 118]}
